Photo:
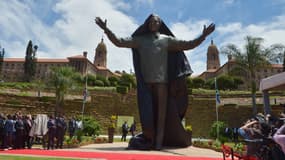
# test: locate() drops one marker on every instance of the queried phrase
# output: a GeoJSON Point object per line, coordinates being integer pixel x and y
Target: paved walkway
{"type": "Point", "coordinates": [120, 147]}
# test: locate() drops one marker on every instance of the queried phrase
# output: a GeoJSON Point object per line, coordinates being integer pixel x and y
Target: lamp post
{"type": "Point", "coordinates": [284, 61]}
{"type": "Point", "coordinates": [85, 90]}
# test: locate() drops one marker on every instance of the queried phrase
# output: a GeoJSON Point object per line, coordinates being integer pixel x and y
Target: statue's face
{"type": "Point", "coordinates": [154, 24]}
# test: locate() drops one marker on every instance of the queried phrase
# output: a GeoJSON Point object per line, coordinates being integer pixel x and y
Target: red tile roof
{"type": "Point", "coordinates": [41, 60]}
{"type": "Point", "coordinates": [46, 60]}
{"type": "Point", "coordinates": [13, 59]}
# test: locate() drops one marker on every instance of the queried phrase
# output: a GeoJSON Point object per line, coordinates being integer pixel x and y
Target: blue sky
{"type": "Point", "coordinates": [63, 28]}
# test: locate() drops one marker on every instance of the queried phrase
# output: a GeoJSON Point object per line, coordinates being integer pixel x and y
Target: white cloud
{"type": "Point", "coordinates": [230, 28]}
{"type": "Point", "coordinates": [78, 27]}
{"type": "Point", "coordinates": [272, 32]}
{"type": "Point", "coordinates": [72, 34]}
{"type": "Point", "coordinates": [74, 31]}
{"type": "Point", "coordinates": [148, 2]}
{"type": "Point", "coordinates": [199, 66]}
{"type": "Point", "coordinates": [121, 5]}
{"type": "Point", "coordinates": [190, 30]}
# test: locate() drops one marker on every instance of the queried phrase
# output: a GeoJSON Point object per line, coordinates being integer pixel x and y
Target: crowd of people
{"type": "Point", "coordinates": [264, 136]}
{"type": "Point", "coordinates": [20, 131]}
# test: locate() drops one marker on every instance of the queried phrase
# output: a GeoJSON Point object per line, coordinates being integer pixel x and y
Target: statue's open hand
{"type": "Point", "coordinates": [101, 23]}
{"type": "Point", "coordinates": [208, 30]}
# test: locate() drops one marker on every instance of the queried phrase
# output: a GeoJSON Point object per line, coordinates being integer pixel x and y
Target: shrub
{"type": "Point", "coordinates": [125, 84]}
{"type": "Point", "coordinates": [99, 83]}
{"type": "Point", "coordinates": [78, 78]}
{"type": "Point", "coordinates": [198, 82]}
{"type": "Point", "coordinates": [103, 79]}
{"type": "Point", "coordinates": [113, 81]}
{"type": "Point", "coordinates": [91, 79]}
{"type": "Point", "coordinates": [225, 82]}
{"type": "Point", "coordinates": [128, 80]}
{"type": "Point", "coordinates": [122, 89]}
{"type": "Point", "coordinates": [72, 142]}
{"type": "Point", "coordinates": [220, 127]}
{"type": "Point", "coordinates": [238, 81]}
{"type": "Point", "coordinates": [189, 82]}
{"type": "Point", "coordinates": [210, 83]}
{"type": "Point", "coordinates": [90, 126]}
{"type": "Point", "coordinates": [79, 134]}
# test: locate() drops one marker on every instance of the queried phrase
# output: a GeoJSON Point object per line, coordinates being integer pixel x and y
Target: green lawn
{"type": "Point", "coordinates": [8, 157]}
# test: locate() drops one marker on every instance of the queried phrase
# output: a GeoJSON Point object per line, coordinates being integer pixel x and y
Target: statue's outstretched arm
{"type": "Point", "coordinates": [180, 45]}
{"type": "Point", "coordinates": [119, 42]}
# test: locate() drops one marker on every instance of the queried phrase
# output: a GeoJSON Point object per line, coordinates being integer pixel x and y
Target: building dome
{"type": "Point", "coordinates": [213, 60]}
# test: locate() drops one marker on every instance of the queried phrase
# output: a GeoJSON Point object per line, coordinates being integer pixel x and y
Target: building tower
{"type": "Point", "coordinates": [213, 60]}
{"type": "Point", "coordinates": [100, 58]}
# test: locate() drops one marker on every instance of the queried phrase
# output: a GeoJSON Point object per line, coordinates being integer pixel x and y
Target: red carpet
{"type": "Point", "coordinates": [101, 155]}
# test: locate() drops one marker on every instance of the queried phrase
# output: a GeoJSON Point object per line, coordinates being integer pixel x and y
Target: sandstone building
{"type": "Point", "coordinates": [12, 69]}
{"type": "Point", "coordinates": [214, 69]}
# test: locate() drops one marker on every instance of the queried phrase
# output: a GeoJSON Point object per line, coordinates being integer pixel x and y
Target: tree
{"type": "Point", "coordinates": [198, 82]}
{"type": "Point", "coordinates": [280, 56]}
{"type": "Point", "coordinates": [113, 81]}
{"type": "Point", "coordinates": [127, 80]}
{"type": "Point", "coordinates": [91, 78]}
{"type": "Point", "coordinates": [30, 61]}
{"type": "Point", "coordinates": [253, 57]}
{"type": "Point", "coordinates": [62, 80]}
{"type": "Point", "coordinates": [225, 82]}
{"type": "Point", "coordinates": [78, 78]}
{"type": "Point", "coordinates": [103, 79]}
{"type": "Point", "coordinates": [2, 53]}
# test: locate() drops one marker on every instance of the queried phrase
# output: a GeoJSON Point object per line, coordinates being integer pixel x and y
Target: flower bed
{"type": "Point", "coordinates": [75, 143]}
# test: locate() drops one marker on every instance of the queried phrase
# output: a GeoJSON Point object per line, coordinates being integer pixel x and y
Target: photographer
{"type": "Point", "coordinates": [253, 131]}
{"type": "Point", "coordinates": [250, 130]}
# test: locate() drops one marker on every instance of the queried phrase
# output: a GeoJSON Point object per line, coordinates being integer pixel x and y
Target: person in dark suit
{"type": "Point", "coordinates": [125, 130]}
{"type": "Point", "coordinates": [60, 131]}
{"type": "Point", "coordinates": [51, 132]}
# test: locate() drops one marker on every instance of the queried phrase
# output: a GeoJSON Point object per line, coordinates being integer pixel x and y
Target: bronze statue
{"type": "Point", "coordinates": [161, 70]}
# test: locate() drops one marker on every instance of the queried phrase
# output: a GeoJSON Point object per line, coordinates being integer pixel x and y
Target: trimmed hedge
{"type": "Point", "coordinates": [122, 89]}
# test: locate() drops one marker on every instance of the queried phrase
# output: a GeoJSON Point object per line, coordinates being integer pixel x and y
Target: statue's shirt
{"type": "Point", "coordinates": [153, 50]}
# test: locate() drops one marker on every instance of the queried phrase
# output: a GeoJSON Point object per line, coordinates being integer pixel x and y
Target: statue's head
{"type": "Point", "coordinates": [154, 23]}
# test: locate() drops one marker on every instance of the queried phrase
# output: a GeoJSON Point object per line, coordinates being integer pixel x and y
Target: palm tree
{"type": "Point", "coordinates": [62, 80]}
{"type": "Point", "coordinates": [253, 57]}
